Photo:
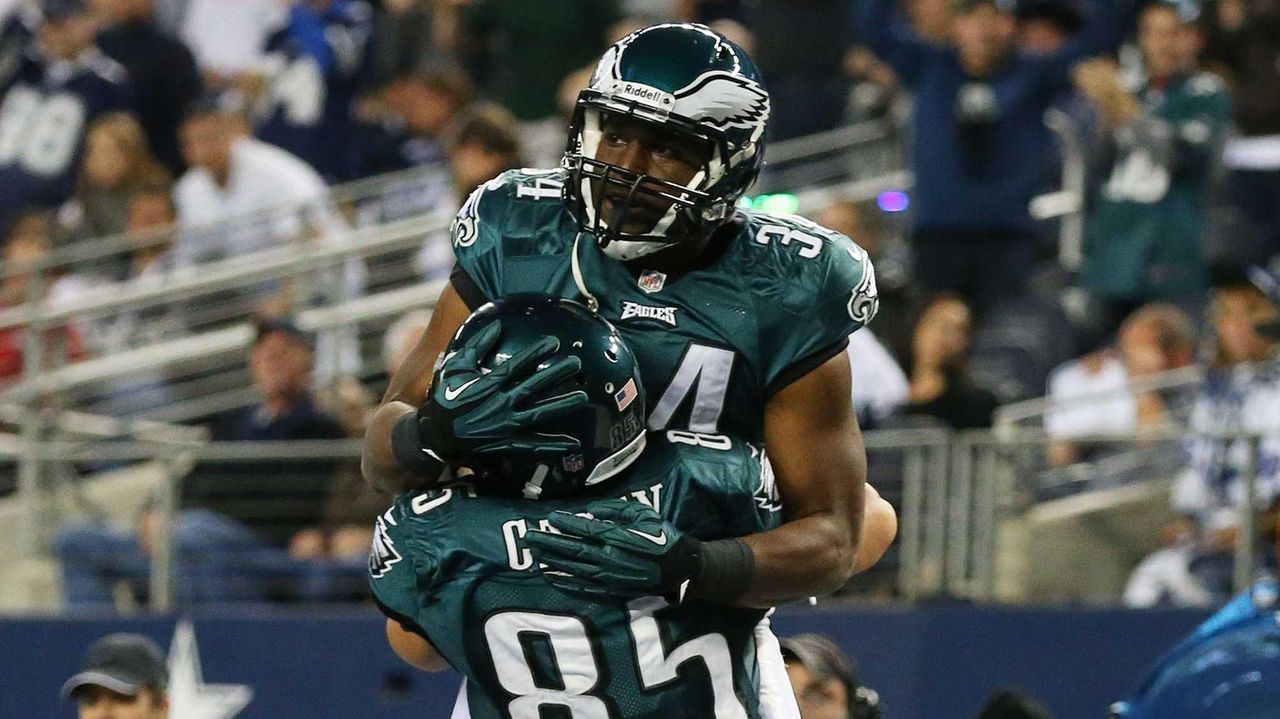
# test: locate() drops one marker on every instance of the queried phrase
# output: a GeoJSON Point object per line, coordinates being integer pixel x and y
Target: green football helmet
{"type": "Point", "coordinates": [687, 79]}
{"type": "Point", "coordinates": [609, 428]}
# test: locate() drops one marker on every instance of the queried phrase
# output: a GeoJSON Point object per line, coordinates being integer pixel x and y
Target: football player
{"type": "Point", "coordinates": [453, 567]}
{"type": "Point", "coordinates": [738, 319]}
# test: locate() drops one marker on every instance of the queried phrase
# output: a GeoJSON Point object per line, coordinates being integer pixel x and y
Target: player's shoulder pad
{"type": "Point", "coordinates": [492, 209]}
{"type": "Point", "coordinates": [837, 273]}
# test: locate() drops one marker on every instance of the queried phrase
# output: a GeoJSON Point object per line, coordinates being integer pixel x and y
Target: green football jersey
{"type": "Point", "coordinates": [1147, 222]}
{"type": "Point", "coordinates": [713, 344]}
{"type": "Point", "coordinates": [451, 566]}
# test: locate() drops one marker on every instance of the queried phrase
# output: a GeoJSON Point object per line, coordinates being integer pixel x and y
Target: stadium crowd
{"type": "Point", "coordinates": [205, 129]}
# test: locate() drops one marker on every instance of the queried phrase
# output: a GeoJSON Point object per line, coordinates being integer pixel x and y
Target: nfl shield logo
{"type": "Point", "coordinates": [651, 281]}
{"type": "Point", "coordinates": [573, 463]}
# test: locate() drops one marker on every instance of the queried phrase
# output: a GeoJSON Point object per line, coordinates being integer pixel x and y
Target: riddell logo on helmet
{"type": "Point", "coordinates": [644, 93]}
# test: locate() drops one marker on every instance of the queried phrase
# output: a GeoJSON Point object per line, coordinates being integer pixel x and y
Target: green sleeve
{"type": "Point", "coordinates": [399, 568]}
{"type": "Point", "coordinates": [476, 234]}
{"type": "Point", "coordinates": [845, 300]}
{"type": "Point", "coordinates": [1198, 137]}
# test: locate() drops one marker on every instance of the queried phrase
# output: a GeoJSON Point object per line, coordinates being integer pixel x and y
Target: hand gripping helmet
{"type": "Point", "coordinates": [690, 80]}
{"type": "Point", "coordinates": [1229, 668]}
{"type": "Point", "coordinates": [610, 427]}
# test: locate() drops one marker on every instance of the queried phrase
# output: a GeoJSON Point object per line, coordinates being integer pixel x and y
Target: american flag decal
{"type": "Point", "coordinates": [625, 396]}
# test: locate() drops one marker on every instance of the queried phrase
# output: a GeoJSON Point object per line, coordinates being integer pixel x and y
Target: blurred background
{"type": "Point", "coordinates": [224, 223]}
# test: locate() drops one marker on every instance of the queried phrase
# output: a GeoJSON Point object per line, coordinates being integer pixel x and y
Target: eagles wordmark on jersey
{"type": "Point", "coordinates": [713, 344]}
{"type": "Point", "coordinates": [451, 566]}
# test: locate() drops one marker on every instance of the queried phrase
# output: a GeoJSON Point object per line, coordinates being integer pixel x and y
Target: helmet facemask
{"type": "Point", "coordinates": [681, 81]}
{"type": "Point", "coordinates": [694, 210]}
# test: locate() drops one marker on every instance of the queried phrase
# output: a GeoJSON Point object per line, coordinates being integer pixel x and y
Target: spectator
{"type": "Point", "coordinates": [307, 82]}
{"type": "Point", "coordinates": [1146, 223]}
{"type": "Point", "coordinates": [979, 137]}
{"type": "Point", "coordinates": [487, 144]}
{"type": "Point", "coordinates": [1046, 26]}
{"type": "Point", "coordinates": [124, 677]}
{"type": "Point", "coordinates": [242, 195]}
{"type": "Point", "coordinates": [931, 19]}
{"type": "Point", "coordinates": [825, 680]}
{"type": "Point", "coordinates": [151, 230]}
{"type": "Point", "coordinates": [1240, 395]}
{"type": "Point", "coordinates": [936, 366]}
{"type": "Point", "coordinates": [527, 50]}
{"type": "Point", "coordinates": [1154, 339]}
{"type": "Point", "coordinates": [876, 88]}
{"type": "Point", "coordinates": [116, 164]}
{"type": "Point", "coordinates": [1244, 41]}
{"type": "Point", "coordinates": [227, 38]}
{"type": "Point", "coordinates": [421, 113]}
{"type": "Point", "coordinates": [409, 128]}
{"type": "Point", "coordinates": [800, 49]}
{"type": "Point", "coordinates": [281, 364]}
{"type": "Point", "coordinates": [1164, 577]}
{"type": "Point", "coordinates": [238, 518]}
{"type": "Point", "coordinates": [17, 33]}
{"type": "Point", "coordinates": [28, 245]}
{"type": "Point", "coordinates": [406, 35]}
{"type": "Point", "coordinates": [160, 67]}
{"type": "Point", "coordinates": [61, 87]}
{"type": "Point", "coordinates": [337, 550]}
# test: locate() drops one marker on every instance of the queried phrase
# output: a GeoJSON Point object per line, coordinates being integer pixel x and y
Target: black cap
{"type": "Point", "coordinates": [820, 656]}
{"type": "Point", "coordinates": [123, 663]}
{"type": "Point", "coordinates": [62, 9]}
{"type": "Point", "coordinates": [264, 326]}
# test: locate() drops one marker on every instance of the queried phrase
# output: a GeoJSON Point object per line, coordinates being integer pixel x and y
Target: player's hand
{"type": "Point", "coordinates": [624, 549]}
{"type": "Point", "coordinates": [470, 410]}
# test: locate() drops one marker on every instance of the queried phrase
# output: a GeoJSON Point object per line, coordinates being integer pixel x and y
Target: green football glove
{"type": "Point", "coordinates": [470, 410]}
{"type": "Point", "coordinates": [624, 549]}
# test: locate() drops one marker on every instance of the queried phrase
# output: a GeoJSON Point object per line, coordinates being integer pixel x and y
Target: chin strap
{"type": "Point", "coordinates": [592, 302]}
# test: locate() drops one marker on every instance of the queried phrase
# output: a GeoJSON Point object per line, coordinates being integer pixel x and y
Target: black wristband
{"type": "Point", "coordinates": [406, 446]}
{"type": "Point", "coordinates": [727, 567]}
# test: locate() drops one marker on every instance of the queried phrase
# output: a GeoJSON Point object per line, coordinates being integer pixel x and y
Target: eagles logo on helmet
{"type": "Point", "coordinates": [688, 80]}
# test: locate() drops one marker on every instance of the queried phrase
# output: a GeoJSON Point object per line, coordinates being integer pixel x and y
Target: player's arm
{"type": "Point", "coordinates": [879, 528]}
{"type": "Point", "coordinates": [816, 450]}
{"type": "Point", "coordinates": [413, 649]}
{"type": "Point", "coordinates": [406, 391]}
{"type": "Point", "coordinates": [621, 548]}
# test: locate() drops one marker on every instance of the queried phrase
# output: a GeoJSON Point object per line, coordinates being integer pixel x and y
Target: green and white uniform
{"type": "Point", "coordinates": [451, 566]}
{"type": "Point", "coordinates": [1147, 222]}
{"type": "Point", "coordinates": [781, 297]}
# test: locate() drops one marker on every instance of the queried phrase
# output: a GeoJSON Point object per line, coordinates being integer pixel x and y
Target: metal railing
{"type": "Point", "coordinates": [959, 495]}
{"type": "Point", "coordinates": [953, 487]}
